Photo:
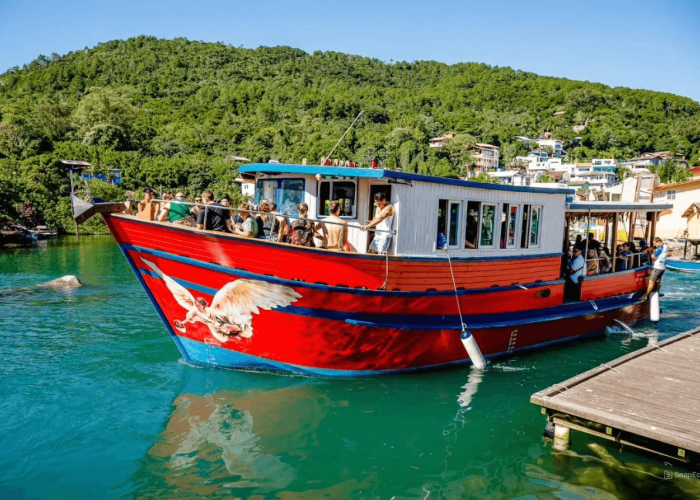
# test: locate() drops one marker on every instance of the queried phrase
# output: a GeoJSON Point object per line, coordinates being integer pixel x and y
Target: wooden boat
{"type": "Point", "coordinates": [43, 233]}
{"type": "Point", "coordinates": [683, 265]}
{"type": "Point", "coordinates": [247, 303]}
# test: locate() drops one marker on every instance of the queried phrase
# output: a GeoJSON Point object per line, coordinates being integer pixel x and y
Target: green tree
{"type": "Point", "coordinates": [484, 178]}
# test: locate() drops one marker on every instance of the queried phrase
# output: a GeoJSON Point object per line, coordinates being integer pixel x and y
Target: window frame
{"type": "Point", "coordinates": [516, 230]}
{"type": "Point", "coordinates": [458, 239]}
{"type": "Point", "coordinates": [319, 203]}
{"type": "Point", "coordinates": [496, 228]}
{"type": "Point", "coordinates": [278, 195]}
{"type": "Point", "coordinates": [671, 194]}
{"type": "Point", "coordinates": [539, 226]}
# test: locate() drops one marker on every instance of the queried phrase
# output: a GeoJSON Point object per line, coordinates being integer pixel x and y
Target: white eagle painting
{"type": "Point", "coordinates": [231, 312]}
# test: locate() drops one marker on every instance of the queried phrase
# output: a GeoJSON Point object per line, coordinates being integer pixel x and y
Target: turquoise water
{"type": "Point", "coordinates": [95, 402]}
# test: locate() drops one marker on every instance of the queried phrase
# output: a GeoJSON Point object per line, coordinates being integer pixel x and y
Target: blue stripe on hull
{"type": "Point", "coordinates": [210, 355]}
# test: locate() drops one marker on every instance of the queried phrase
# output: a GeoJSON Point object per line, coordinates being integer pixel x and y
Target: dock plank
{"type": "Point", "coordinates": [653, 392]}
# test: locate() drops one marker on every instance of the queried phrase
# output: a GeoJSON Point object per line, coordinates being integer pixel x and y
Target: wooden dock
{"type": "Point", "coordinates": [649, 399]}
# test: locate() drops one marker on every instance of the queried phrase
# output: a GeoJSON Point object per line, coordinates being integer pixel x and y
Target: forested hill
{"type": "Point", "coordinates": [169, 112]}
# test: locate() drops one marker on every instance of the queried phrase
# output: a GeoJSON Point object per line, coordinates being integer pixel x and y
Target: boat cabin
{"type": "Point", "coordinates": [433, 214]}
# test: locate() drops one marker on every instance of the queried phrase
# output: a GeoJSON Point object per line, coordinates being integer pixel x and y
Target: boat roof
{"type": "Point", "coordinates": [598, 208]}
{"type": "Point", "coordinates": [374, 173]}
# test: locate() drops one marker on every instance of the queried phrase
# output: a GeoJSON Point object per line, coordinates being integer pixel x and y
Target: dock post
{"type": "Point", "coordinates": [562, 437]}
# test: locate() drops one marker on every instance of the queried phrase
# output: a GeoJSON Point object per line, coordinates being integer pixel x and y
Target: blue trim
{"type": "Point", "coordinates": [442, 322]}
{"type": "Point", "coordinates": [372, 173]}
{"type": "Point", "coordinates": [207, 354]}
{"type": "Point", "coordinates": [175, 337]}
{"type": "Point", "coordinates": [241, 273]}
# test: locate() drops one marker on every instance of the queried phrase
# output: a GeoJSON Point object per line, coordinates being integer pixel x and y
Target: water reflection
{"type": "Point", "coordinates": [419, 436]}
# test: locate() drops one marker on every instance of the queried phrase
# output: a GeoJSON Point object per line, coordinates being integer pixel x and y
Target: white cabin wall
{"type": "Point", "coordinates": [419, 212]}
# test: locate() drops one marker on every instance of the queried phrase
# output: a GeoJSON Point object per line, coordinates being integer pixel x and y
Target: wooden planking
{"type": "Point", "coordinates": [652, 393]}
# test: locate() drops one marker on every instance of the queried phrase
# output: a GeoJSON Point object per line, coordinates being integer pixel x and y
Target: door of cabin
{"type": "Point", "coordinates": [374, 189]}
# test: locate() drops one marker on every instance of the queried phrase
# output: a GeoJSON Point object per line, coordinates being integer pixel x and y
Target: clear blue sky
{"type": "Point", "coordinates": [645, 44]}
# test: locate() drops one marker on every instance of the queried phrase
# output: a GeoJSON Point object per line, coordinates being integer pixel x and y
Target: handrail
{"type": "Point", "coordinates": [235, 209]}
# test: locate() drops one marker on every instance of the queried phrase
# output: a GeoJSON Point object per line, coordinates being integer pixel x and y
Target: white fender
{"type": "Point", "coordinates": [472, 348]}
{"type": "Point", "coordinates": [654, 307]}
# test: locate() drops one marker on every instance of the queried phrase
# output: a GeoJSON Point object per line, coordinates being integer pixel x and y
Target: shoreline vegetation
{"type": "Point", "coordinates": [168, 114]}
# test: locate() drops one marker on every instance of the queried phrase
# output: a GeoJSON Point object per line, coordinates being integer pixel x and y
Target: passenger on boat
{"type": "Point", "coordinates": [195, 209]}
{"type": "Point", "coordinates": [382, 221]}
{"type": "Point", "coordinates": [280, 227]}
{"type": "Point", "coordinates": [604, 264]}
{"type": "Point", "coordinates": [177, 210]}
{"type": "Point", "coordinates": [132, 206]}
{"type": "Point", "coordinates": [593, 243]}
{"type": "Point", "coordinates": [620, 259]}
{"type": "Point", "coordinates": [209, 217]}
{"type": "Point", "coordinates": [318, 229]}
{"type": "Point", "coordinates": [644, 253]}
{"type": "Point", "coordinates": [634, 257]}
{"type": "Point", "coordinates": [249, 228]}
{"type": "Point", "coordinates": [579, 243]}
{"type": "Point", "coordinates": [302, 229]}
{"type": "Point", "coordinates": [268, 225]}
{"type": "Point", "coordinates": [337, 234]}
{"type": "Point", "coordinates": [148, 209]}
{"type": "Point", "coordinates": [165, 206]}
{"type": "Point", "coordinates": [572, 290]}
{"type": "Point", "coordinates": [226, 202]}
{"type": "Point", "coordinates": [592, 262]}
{"type": "Point", "coordinates": [627, 255]}
{"type": "Point", "coordinates": [659, 256]}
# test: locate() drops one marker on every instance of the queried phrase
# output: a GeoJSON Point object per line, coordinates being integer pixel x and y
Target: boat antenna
{"type": "Point", "coordinates": [323, 162]}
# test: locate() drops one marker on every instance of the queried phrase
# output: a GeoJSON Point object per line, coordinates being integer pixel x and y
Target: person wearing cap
{"type": "Point", "coordinates": [177, 210]}
{"type": "Point", "coordinates": [148, 209]}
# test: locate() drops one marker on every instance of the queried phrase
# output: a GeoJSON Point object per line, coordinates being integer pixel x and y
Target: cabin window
{"type": "Point", "coordinates": [535, 218]}
{"type": "Point", "coordinates": [343, 191]}
{"type": "Point", "coordinates": [287, 193]}
{"type": "Point", "coordinates": [671, 194]}
{"type": "Point", "coordinates": [449, 215]}
{"type": "Point", "coordinates": [488, 224]}
{"type": "Point", "coordinates": [471, 233]}
{"type": "Point", "coordinates": [525, 227]}
{"type": "Point", "coordinates": [509, 225]}
{"type": "Point", "coordinates": [266, 190]}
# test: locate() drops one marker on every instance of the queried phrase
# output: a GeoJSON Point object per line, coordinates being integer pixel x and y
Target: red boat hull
{"type": "Point", "coordinates": [328, 329]}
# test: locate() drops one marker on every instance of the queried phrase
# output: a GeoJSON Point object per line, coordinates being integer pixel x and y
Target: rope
{"type": "Point", "coordinates": [386, 275]}
{"type": "Point", "coordinates": [454, 283]}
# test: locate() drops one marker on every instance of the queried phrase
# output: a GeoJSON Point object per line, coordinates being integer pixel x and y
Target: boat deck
{"type": "Point", "coordinates": [648, 399]}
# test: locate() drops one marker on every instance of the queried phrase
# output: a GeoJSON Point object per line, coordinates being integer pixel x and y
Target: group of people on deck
{"type": "Point", "coordinates": [266, 222]}
{"type": "Point", "coordinates": [598, 259]}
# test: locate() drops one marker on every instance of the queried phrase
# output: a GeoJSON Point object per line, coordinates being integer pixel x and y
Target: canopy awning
{"type": "Point", "coordinates": [607, 208]}
{"type": "Point", "coordinates": [694, 208]}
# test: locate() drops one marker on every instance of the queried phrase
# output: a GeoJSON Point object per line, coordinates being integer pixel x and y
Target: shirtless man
{"type": "Point", "coordinates": [337, 234]}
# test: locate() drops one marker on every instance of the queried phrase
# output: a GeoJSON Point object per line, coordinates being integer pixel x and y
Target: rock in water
{"type": "Point", "coordinates": [65, 282]}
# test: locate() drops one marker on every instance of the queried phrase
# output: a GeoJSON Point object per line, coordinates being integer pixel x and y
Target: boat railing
{"type": "Point", "coordinates": [206, 206]}
{"type": "Point", "coordinates": [637, 260]}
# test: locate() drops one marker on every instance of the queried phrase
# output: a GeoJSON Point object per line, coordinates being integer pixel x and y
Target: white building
{"type": "Point", "coordinates": [556, 145]}
{"type": "Point", "coordinates": [440, 141]}
{"type": "Point", "coordinates": [487, 156]}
